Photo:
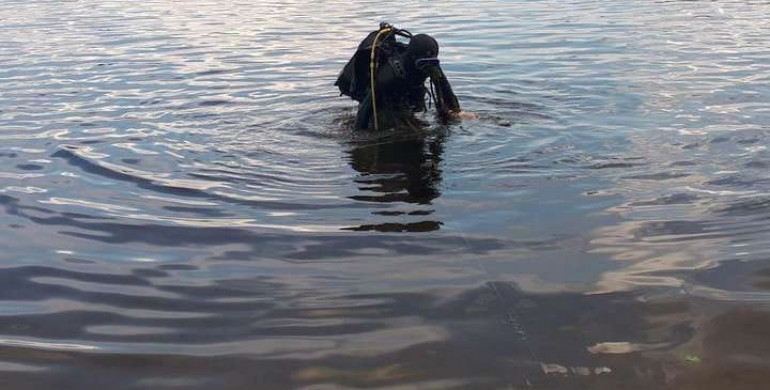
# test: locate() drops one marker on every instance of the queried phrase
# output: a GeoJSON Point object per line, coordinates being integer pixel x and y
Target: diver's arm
{"type": "Point", "coordinates": [453, 105]}
{"type": "Point", "coordinates": [448, 100]}
{"type": "Point", "coordinates": [450, 105]}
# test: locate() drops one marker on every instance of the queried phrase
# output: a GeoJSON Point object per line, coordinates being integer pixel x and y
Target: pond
{"type": "Point", "coordinates": [184, 204]}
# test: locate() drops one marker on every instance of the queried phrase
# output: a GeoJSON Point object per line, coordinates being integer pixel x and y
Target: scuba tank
{"type": "Point", "coordinates": [353, 80]}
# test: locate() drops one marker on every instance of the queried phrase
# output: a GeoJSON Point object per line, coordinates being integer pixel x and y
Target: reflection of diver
{"type": "Point", "coordinates": [398, 72]}
{"type": "Point", "coordinates": [400, 170]}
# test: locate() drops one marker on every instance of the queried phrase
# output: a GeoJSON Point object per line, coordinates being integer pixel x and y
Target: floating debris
{"type": "Point", "coordinates": [694, 359]}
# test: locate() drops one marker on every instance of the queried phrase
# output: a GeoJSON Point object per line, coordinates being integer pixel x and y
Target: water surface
{"type": "Point", "coordinates": [184, 204]}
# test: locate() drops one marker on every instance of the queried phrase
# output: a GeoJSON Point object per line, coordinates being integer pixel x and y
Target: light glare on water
{"type": "Point", "coordinates": [185, 205]}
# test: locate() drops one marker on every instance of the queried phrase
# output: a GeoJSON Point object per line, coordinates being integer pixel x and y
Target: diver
{"type": "Point", "coordinates": [387, 79]}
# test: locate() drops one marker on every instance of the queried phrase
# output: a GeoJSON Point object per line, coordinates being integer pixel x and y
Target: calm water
{"type": "Point", "coordinates": [184, 205]}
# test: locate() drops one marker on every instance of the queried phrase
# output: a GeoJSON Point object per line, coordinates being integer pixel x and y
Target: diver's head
{"type": "Point", "coordinates": [422, 52]}
{"type": "Point", "coordinates": [422, 46]}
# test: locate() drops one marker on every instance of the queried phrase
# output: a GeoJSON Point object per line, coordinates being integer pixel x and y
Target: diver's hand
{"type": "Point", "coordinates": [462, 115]}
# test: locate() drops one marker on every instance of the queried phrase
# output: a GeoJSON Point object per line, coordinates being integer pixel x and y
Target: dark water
{"type": "Point", "coordinates": [185, 206]}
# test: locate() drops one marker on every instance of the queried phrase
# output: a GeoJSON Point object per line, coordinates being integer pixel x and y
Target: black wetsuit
{"type": "Point", "coordinates": [400, 87]}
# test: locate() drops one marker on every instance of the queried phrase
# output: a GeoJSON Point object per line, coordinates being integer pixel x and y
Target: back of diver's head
{"type": "Point", "coordinates": [422, 46]}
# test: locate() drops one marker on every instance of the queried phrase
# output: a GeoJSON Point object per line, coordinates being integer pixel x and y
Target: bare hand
{"type": "Point", "coordinates": [463, 115]}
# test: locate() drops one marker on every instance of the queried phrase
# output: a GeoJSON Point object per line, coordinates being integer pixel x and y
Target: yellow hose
{"type": "Point", "coordinates": [371, 73]}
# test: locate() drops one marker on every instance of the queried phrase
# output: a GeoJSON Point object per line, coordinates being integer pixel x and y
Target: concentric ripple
{"type": "Point", "coordinates": [185, 205]}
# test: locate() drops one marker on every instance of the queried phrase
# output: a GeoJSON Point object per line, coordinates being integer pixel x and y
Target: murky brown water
{"type": "Point", "coordinates": [185, 206]}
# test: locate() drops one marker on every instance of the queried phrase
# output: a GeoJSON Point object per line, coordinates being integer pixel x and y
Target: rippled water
{"type": "Point", "coordinates": [184, 204]}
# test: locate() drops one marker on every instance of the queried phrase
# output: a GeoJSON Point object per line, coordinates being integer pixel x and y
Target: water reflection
{"type": "Point", "coordinates": [493, 335]}
{"type": "Point", "coordinates": [401, 168]}
{"type": "Point", "coordinates": [172, 194]}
